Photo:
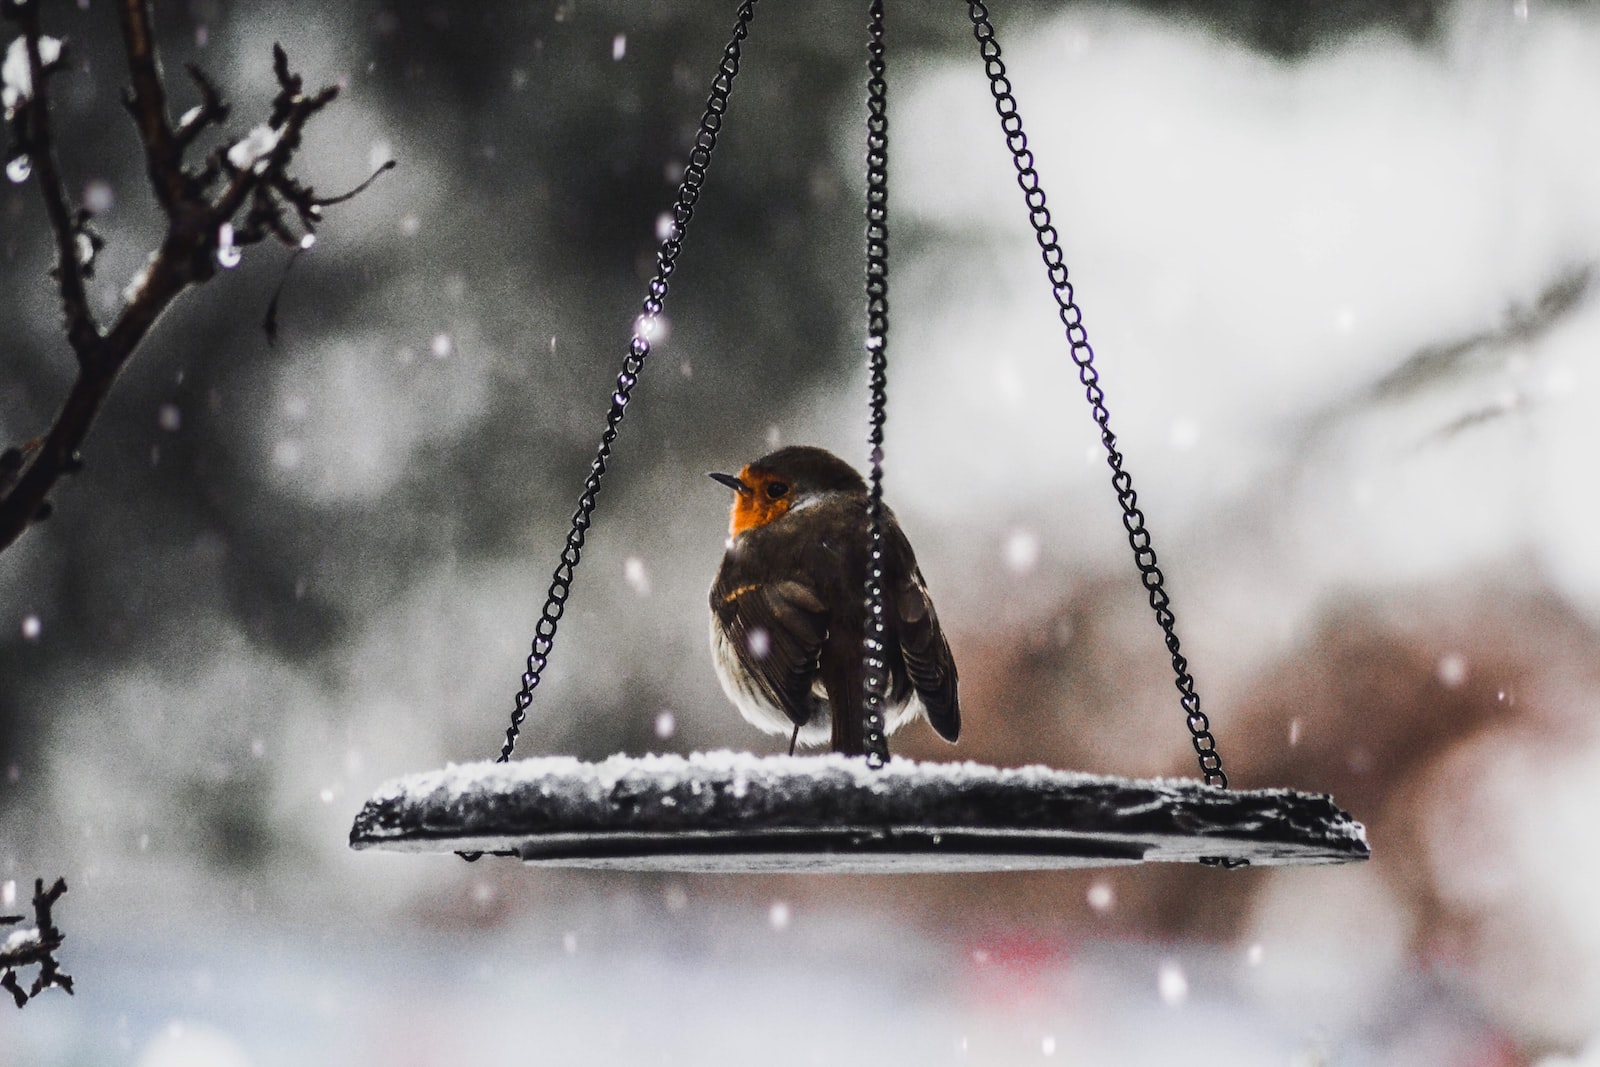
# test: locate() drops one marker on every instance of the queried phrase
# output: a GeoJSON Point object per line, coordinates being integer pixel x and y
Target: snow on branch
{"type": "Point", "coordinates": [34, 946]}
{"type": "Point", "coordinates": [242, 193]}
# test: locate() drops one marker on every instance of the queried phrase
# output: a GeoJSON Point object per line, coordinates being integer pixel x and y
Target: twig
{"type": "Point", "coordinates": [329, 201]}
{"type": "Point", "coordinates": [256, 173]}
{"type": "Point", "coordinates": [35, 948]}
{"type": "Point", "coordinates": [147, 102]}
{"type": "Point", "coordinates": [34, 121]}
{"type": "Point", "coordinates": [213, 111]}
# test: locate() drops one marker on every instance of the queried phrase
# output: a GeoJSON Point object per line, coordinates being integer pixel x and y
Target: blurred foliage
{"type": "Point", "coordinates": [537, 143]}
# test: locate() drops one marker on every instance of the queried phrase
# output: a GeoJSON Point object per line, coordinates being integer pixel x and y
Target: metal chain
{"type": "Point", "coordinates": [1144, 556]}
{"type": "Point", "coordinates": [876, 679]}
{"type": "Point", "coordinates": [694, 175]}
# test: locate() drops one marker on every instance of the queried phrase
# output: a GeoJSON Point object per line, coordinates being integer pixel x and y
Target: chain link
{"type": "Point", "coordinates": [876, 678]}
{"type": "Point", "coordinates": [1144, 556]}
{"type": "Point", "coordinates": [694, 175]}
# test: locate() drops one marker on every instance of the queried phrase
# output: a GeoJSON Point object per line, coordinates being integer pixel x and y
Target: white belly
{"type": "Point", "coordinates": [761, 713]}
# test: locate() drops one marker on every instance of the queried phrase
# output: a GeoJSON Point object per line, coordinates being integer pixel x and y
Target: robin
{"type": "Point", "coordinates": [788, 608]}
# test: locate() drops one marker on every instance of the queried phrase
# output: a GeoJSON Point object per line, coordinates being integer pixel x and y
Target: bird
{"type": "Point", "coordinates": [788, 608]}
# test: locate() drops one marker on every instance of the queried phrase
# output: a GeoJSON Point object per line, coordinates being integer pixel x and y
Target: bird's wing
{"type": "Point", "coordinates": [929, 664]}
{"type": "Point", "coordinates": [777, 629]}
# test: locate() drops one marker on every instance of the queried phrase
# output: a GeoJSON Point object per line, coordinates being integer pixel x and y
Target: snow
{"type": "Point", "coordinates": [1173, 984]}
{"type": "Point", "coordinates": [634, 573]}
{"type": "Point", "coordinates": [18, 939]}
{"type": "Point", "coordinates": [1022, 551]}
{"type": "Point", "coordinates": [228, 253]}
{"type": "Point", "coordinates": [1192, 285]}
{"type": "Point", "coordinates": [460, 781]}
{"type": "Point", "coordinates": [734, 811]}
{"type": "Point", "coordinates": [254, 149]}
{"type": "Point", "coordinates": [16, 78]}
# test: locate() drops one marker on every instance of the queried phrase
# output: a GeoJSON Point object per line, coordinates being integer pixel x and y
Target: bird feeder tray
{"type": "Point", "coordinates": [724, 812]}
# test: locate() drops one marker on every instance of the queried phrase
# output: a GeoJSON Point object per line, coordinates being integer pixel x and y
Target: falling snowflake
{"type": "Point", "coordinates": [98, 196]}
{"type": "Point", "coordinates": [633, 572]}
{"type": "Point", "coordinates": [1172, 984]}
{"type": "Point", "coordinates": [1022, 551]}
{"type": "Point", "coordinates": [1453, 670]}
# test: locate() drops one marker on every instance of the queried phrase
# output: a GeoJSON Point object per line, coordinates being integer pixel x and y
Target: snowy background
{"type": "Point", "coordinates": [1339, 264]}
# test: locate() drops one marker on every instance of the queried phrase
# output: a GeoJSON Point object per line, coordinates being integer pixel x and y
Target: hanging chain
{"type": "Point", "coordinates": [1144, 556]}
{"type": "Point", "coordinates": [876, 678]}
{"type": "Point", "coordinates": [694, 175]}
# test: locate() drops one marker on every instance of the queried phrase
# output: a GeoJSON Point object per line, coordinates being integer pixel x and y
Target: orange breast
{"type": "Point", "coordinates": [754, 508]}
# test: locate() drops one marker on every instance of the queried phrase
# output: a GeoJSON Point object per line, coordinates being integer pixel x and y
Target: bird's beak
{"type": "Point", "coordinates": [731, 481]}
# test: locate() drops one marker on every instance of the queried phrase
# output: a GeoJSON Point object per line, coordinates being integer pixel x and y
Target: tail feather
{"type": "Point", "coordinates": [843, 677]}
{"type": "Point", "coordinates": [929, 665]}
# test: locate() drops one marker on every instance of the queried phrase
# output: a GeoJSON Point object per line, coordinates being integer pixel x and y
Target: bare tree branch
{"type": "Point", "coordinates": [147, 102]}
{"type": "Point", "coordinates": [33, 124]}
{"type": "Point", "coordinates": [35, 947]}
{"type": "Point", "coordinates": [212, 111]}
{"type": "Point", "coordinates": [201, 229]}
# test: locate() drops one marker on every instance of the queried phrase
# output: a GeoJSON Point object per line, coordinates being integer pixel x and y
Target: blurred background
{"type": "Point", "coordinates": [1338, 262]}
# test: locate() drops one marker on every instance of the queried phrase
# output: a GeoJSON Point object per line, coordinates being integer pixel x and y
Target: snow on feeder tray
{"type": "Point", "coordinates": [727, 812]}
{"type": "Point", "coordinates": [718, 812]}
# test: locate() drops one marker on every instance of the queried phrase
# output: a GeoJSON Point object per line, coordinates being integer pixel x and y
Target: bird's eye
{"type": "Point", "coordinates": [777, 489]}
